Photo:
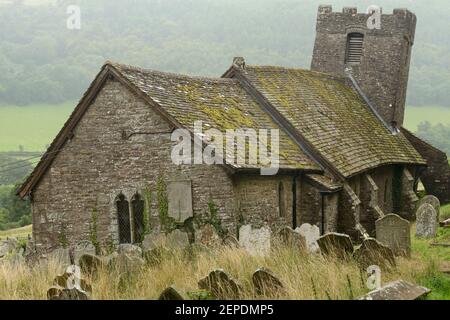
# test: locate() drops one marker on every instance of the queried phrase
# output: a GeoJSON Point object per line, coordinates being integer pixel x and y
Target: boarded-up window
{"type": "Point", "coordinates": [355, 43]}
{"type": "Point", "coordinates": [180, 200]}
{"type": "Point", "coordinates": [137, 204]}
{"type": "Point", "coordinates": [123, 217]}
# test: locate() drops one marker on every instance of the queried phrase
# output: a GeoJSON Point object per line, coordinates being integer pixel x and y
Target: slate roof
{"type": "Point", "coordinates": [219, 103]}
{"type": "Point", "coordinates": [331, 116]}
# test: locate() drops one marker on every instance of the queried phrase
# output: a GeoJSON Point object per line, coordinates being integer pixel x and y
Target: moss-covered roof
{"type": "Point", "coordinates": [331, 115]}
{"type": "Point", "coordinates": [219, 103]}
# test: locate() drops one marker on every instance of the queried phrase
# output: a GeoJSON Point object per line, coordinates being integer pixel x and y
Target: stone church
{"type": "Point", "coordinates": [345, 159]}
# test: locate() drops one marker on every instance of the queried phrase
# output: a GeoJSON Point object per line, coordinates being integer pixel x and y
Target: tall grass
{"type": "Point", "coordinates": [304, 276]}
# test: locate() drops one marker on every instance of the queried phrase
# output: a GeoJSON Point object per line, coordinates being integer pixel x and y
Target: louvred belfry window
{"type": "Point", "coordinates": [355, 43]}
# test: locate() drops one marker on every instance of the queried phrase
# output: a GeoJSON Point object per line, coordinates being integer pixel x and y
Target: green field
{"type": "Point", "coordinates": [32, 127]}
{"type": "Point", "coordinates": [19, 233]}
{"type": "Point", "coordinates": [434, 115]}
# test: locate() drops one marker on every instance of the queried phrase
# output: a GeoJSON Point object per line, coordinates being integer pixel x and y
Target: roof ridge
{"type": "Point", "coordinates": [120, 66]}
{"type": "Point", "coordinates": [330, 75]}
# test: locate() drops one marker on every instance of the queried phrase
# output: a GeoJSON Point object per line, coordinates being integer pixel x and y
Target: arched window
{"type": "Point", "coordinates": [355, 43]}
{"type": "Point", "coordinates": [123, 217]}
{"type": "Point", "coordinates": [281, 199]}
{"type": "Point", "coordinates": [137, 205]}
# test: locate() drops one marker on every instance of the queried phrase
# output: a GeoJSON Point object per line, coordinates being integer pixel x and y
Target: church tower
{"type": "Point", "coordinates": [375, 48]}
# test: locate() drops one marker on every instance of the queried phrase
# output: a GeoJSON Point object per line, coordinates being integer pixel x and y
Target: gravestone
{"type": "Point", "coordinates": [336, 243]}
{"type": "Point", "coordinates": [311, 233]}
{"type": "Point", "coordinates": [397, 290]}
{"type": "Point", "coordinates": [60, 256]}
{"type": "Point", "coordinates": [372, 252]}
{"type": "Point", "coordinates": [83, 247]}
{"type": "Point", "coordinates": [220, 285]}
{"type": "Point", "coordinates": [152, 241]}
{"type": "Point", "coordinates": [70, 286]}
{"type": "Point", "coordinates": [230, 241]}
{"type": "Point", "coordinates": [291, 238]}
{"type": "Point", "coordinates": [179, 194]}
{"type": "Point", "coordinates": [90, 264]}
{"type": "Point", "coordinates": [170, 293]}
{"type": "Point", "coordinates": [207, 235]}
{"type": "Point", "coordinates": [255, 241]}
{"type": "Point", "coordinates": [130, 249]}
{"type": "Point", "coordinates": [177, 239]}
{"type": "Point", "coordinates": [266, 283]}
{"type": "Point", "coordinates": [394, 232]}
{"type": "Point", "coordinates": [433, 201]}
{"type": "Point", "coordinates": [426, 223]}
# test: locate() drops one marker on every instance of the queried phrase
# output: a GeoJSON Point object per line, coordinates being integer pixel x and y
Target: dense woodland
{"type": "Point", "coordinates": [41, 61]}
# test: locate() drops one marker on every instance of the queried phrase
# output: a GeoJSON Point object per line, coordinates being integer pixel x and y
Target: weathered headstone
{"type": "Point", "coordinates": [170, 293]}
{"type": "Point", "coordinates": [60, 255]}
{"type": "Point", "coordinates": [372, 252]}
{"type": "Point", "coordinates": [152, 241]}
{"type": "Point", "coordinates": [336, 243]}
{"type": "Point", "coordinates": [83, 247]}
{"type": "Point", "coordinates": [67, 294]}
{"type": "Point", "coordinates": [397, 290]}
{"type": "Point", "coordinates": [207, 235]}
{"type": "Point", "coordinates": [130, 249]}
{"type": "Point", "coordinates": [394, 232]}
{"type": "Point", "coordinates": [90, 264]}
{"type": "Point", "coordinates": [426, 223]}
{"type": "Point", "coordinates": [220, 285]}
{"type": "Point", "coordinates": [126, 263]}
{"type": "Point", "coordinates": [433, 201]}
{"type": "Point", "coordinates": [230, 241]}
{"type": "Point", "coordinates": [70, 286]}
{"type": "Point", "coordinates": [311, 234]}
{"type": "Point", "coordinates": [291, 238]}
{"type": "Point", "coordinates": [7, 246]}
{"type": "Point", "coordinates": [177, 239]}
{"type": "Point", "coordinates": [266, 283]}
{"type": "Point", "coordinates": [255, 241]}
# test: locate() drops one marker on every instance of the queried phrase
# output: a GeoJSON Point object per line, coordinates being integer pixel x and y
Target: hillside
{"type": "Point", "coordinates": [43, 62]}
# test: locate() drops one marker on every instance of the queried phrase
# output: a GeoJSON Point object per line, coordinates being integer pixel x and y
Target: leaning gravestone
{"type": "Point", "coordinates": [70, 286]}
{"type": "Point", "coordinates": [433, 201]}
{"type": "Point", "coordinates": [311, 234]}
{"type": "Point", "coordinates": [336, 243]}
{"type": "Point", "coordinates": [291, 238]}
{"type": "Point", "coordinates": [372, 252]}
{"type": "Point", "coordinates": [230, 241]}
{"type": "Point", "coordinates": [394, 232]}
{"type": "Point", "coordinates": [397, 290]}
{"type": "Point", "coordinates": [207, 235]}
{"type": "Point", "coordinates": [90, 264]}
{"type": "Point", "coordinates": [83, 247]}
{"type": "Point", "coordinates": [426, 223]}
{"type": "Point", "coordinates": [220, 285]}
{"type": "Point", "coordinates": [177, 239]}
{"type": "Point", "coordinates": [266, 283]}
{"type": "Point", "coordinates": [255, 241]}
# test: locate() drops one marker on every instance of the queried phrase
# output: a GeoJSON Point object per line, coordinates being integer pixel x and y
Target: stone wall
{"type": "Point", "coordinates": [383, 71]}
{"type": "Point", "coordinates": [436, 177]}
{"type": "Point", "coordinates": [259, 198]}
{"type": "Point", "coordinates": [309, 206]}
{"type": "Point", "coordinates": [98, 164]}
